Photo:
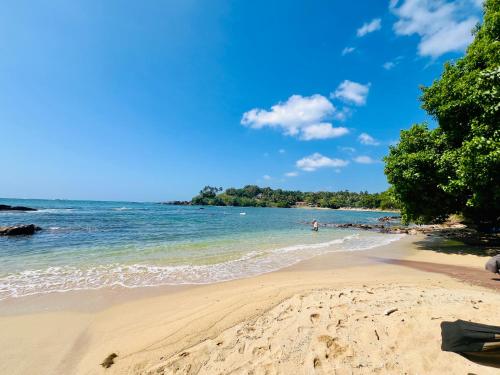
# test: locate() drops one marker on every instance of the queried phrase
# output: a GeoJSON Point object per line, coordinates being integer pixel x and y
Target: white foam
{"type": "Point", "coordinates": [67, 278]}
{"type": "Point", "coordinates": [53, 210]}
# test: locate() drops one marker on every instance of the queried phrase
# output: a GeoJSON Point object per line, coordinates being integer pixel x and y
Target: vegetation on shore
{"type": "Point", "coordinates": [455, 167]}
{"type": "Point", "coordinates": [255, 196]}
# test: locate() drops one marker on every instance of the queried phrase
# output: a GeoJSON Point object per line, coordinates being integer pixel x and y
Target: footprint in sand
{"type": "Point", "coordinates": [259, 350]}
{"type": "Point", "coordinates": [334, 349]}
{"type": "Point", "coordinates": [302, 329]}
{"type": "Point", "coordinates": [241, 350]}
{"type": "Point", "coordinates": [314, 318]}
{"type": "Point", "coordinates": [316, 362]}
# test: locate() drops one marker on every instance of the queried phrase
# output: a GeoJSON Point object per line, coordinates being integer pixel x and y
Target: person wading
{"type": "Point", "coordinates": [315, 225]}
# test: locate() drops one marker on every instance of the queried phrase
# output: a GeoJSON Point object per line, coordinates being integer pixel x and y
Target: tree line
{"type": "Point", "coordinates": [255, 196]}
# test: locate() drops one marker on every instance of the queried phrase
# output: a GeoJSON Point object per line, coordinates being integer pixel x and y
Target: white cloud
{"type": "Point", "coordinates": [347, 50]}
{"type": "Point", "coordinates": [315, 161]}
{"type": "Point", "coordinates": [362, 159]}
{"type": "Point", "coordinates": [322, 131]}
{"type": "Point", "coordinates": [292, 174]}
{"type": "Point", "coordinates": [352, 92]}
{"type": "Point", "coordinates": [348, 149]}
{"type": "Point", "coordinates": [367, 139]}
{"type": "Point", "coordinates": [369, 27]}
{"type": "Point", "coordinates": [389, 65]}
{"type": "Point", "coordinates": [299, 116]}
{"type": "Point", "coordinates": [343, 114]}
{"type": "Point", "coordinates": [281, 151]}
{"type": "Point", "coordinates": [266, 177]}
{"type": "Point", "coordinates": [442, 26]}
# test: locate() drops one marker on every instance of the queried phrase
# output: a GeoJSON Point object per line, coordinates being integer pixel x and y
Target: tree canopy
{"type": "Point", "coordinates": [455, 168]}
{"type": "Point", "coordinates": [255, 196]}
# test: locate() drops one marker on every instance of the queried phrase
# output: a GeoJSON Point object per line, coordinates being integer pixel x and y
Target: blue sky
{"type": "Point", "coordinates": [147, 101]}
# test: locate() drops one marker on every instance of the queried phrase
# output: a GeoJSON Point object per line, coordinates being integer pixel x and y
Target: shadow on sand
{"type": "Point", "coordinates": [454, 245]}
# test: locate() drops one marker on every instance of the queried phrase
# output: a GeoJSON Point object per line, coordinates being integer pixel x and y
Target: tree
{"type": "Point", "coordinates": [210, 191]}
{"type": "Point", "coordinates": [456, 167]}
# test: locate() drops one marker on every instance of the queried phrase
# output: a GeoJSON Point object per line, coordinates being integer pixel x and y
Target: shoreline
{"type": "Point", "coordinates": [97, 299]}
{"type": "Point", "coordinates": [347, 209]}
{"type": "Point", "coordinates": [151, 332]}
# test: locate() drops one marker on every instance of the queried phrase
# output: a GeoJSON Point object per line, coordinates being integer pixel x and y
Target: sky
{"type": "Point", "coordinates": [151, 101]}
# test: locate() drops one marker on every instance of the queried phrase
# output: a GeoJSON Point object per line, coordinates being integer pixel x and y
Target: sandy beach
{"type": "Point", "coordinates": [322, 316]}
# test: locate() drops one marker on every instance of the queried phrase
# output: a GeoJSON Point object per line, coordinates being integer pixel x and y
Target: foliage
{"type": "Point", "coordinates": [455, 168]}
{"type": "Point", "coordinates": [255, 196]}
{"type": "Point", "coordinates": [207, 193]}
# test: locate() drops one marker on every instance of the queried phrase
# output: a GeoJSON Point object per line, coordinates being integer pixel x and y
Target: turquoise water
{"type": "Point", "coordinates": [90, 245]}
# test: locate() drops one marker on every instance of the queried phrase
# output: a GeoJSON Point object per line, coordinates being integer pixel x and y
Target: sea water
{"type": "Point", "coordinates": [91, 245]}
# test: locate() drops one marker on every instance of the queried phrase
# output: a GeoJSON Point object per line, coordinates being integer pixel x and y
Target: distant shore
{"type": "Point", "coordinates": [347, 209]}
{"type": "Point", "coordinates": [188, 203]}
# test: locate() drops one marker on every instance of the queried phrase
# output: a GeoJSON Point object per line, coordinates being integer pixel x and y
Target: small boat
{"type": "Point", "coordinates": [243, 213]}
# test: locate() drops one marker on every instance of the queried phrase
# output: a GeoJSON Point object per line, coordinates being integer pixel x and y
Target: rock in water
{"type": "Point", "coordinates": [5, 207]}
{"type": "Point", "coordinates": [19, 230]}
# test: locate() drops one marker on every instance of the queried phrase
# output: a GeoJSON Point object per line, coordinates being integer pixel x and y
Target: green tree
{"type": "Point", "coordinates": [456, 167]}
{"type": "Point", "coordinates": [210, 191]}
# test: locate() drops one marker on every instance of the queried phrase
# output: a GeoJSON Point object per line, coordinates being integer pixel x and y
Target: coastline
{"type": "Point", "coordinates": [238, 323]}
{"type": "Point", "coordinates": [348, 209]}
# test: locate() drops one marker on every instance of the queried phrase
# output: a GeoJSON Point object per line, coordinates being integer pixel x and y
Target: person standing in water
{"type": "Point", "coordinates": [315, 225]}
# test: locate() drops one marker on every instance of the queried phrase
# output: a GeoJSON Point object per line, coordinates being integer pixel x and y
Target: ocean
{"type": "Point", "coordinates": [92, 245]}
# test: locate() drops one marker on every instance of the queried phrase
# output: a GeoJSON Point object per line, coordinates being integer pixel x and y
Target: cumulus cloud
{"type": "Point", "coordinates": [362, 159]}
{"type": "Point", "coordinates": [367, 139]}
{"type": "Point", "coordinates": [369, 27]}
{"type": "Point", "coordinates": [300, 116]}
{"type": "Point", "coordinates": [347, 50]}
{"type": "Point", "coordinates": [292, 174]}
{"type": "Point", "coordinates": [315, 161]}
{"type": "Point", "coordinates": [322, 131]}
{"type": "Point", "coordinates": [352, 92]}
{"type": "Point", "coordinates": [266, 177]}
{"type": "Point", "coordinates": [442, 26]}
{"type": "Point", "coordinates": [281, 151]}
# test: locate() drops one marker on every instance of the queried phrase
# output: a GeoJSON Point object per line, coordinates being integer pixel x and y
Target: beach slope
{"type": "Point", "coordinates": [323, 316]}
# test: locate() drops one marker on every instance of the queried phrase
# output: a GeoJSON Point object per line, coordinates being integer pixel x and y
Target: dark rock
{"type": "Point", "coordinates": [359, 226]}
{"type": "Point", "coordinates": [109, 360]}
{"type": "Point", "coordinates": [373, 227]}
{"type": "Point", "coordinates": [177, 203]}
{"type": "Point", "coordinates": [5, 207]}
{"type": "Point", "coordinates": [19, 230]}
{"type": "Point", "coordinates": [388, 218]}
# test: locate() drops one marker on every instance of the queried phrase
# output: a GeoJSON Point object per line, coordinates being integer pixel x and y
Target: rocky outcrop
{"type": "Point", "coordinates": [19, 230]}
{"type": "Point", "coordinates": [388, 218]}
{"type": "Point", "coordinates": [177, 203]}
{"type": "Point", "coordinates": [424, 229]}
{"type": "Point", "coordinates": [6, 207]}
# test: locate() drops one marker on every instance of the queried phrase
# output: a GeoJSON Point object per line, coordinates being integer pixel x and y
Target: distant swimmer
{"type": "Point", "coordinates": [315, 225]}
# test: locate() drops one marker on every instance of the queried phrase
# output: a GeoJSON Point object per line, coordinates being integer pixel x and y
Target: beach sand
{"type": "Point", "coordinates": [322, 316]}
